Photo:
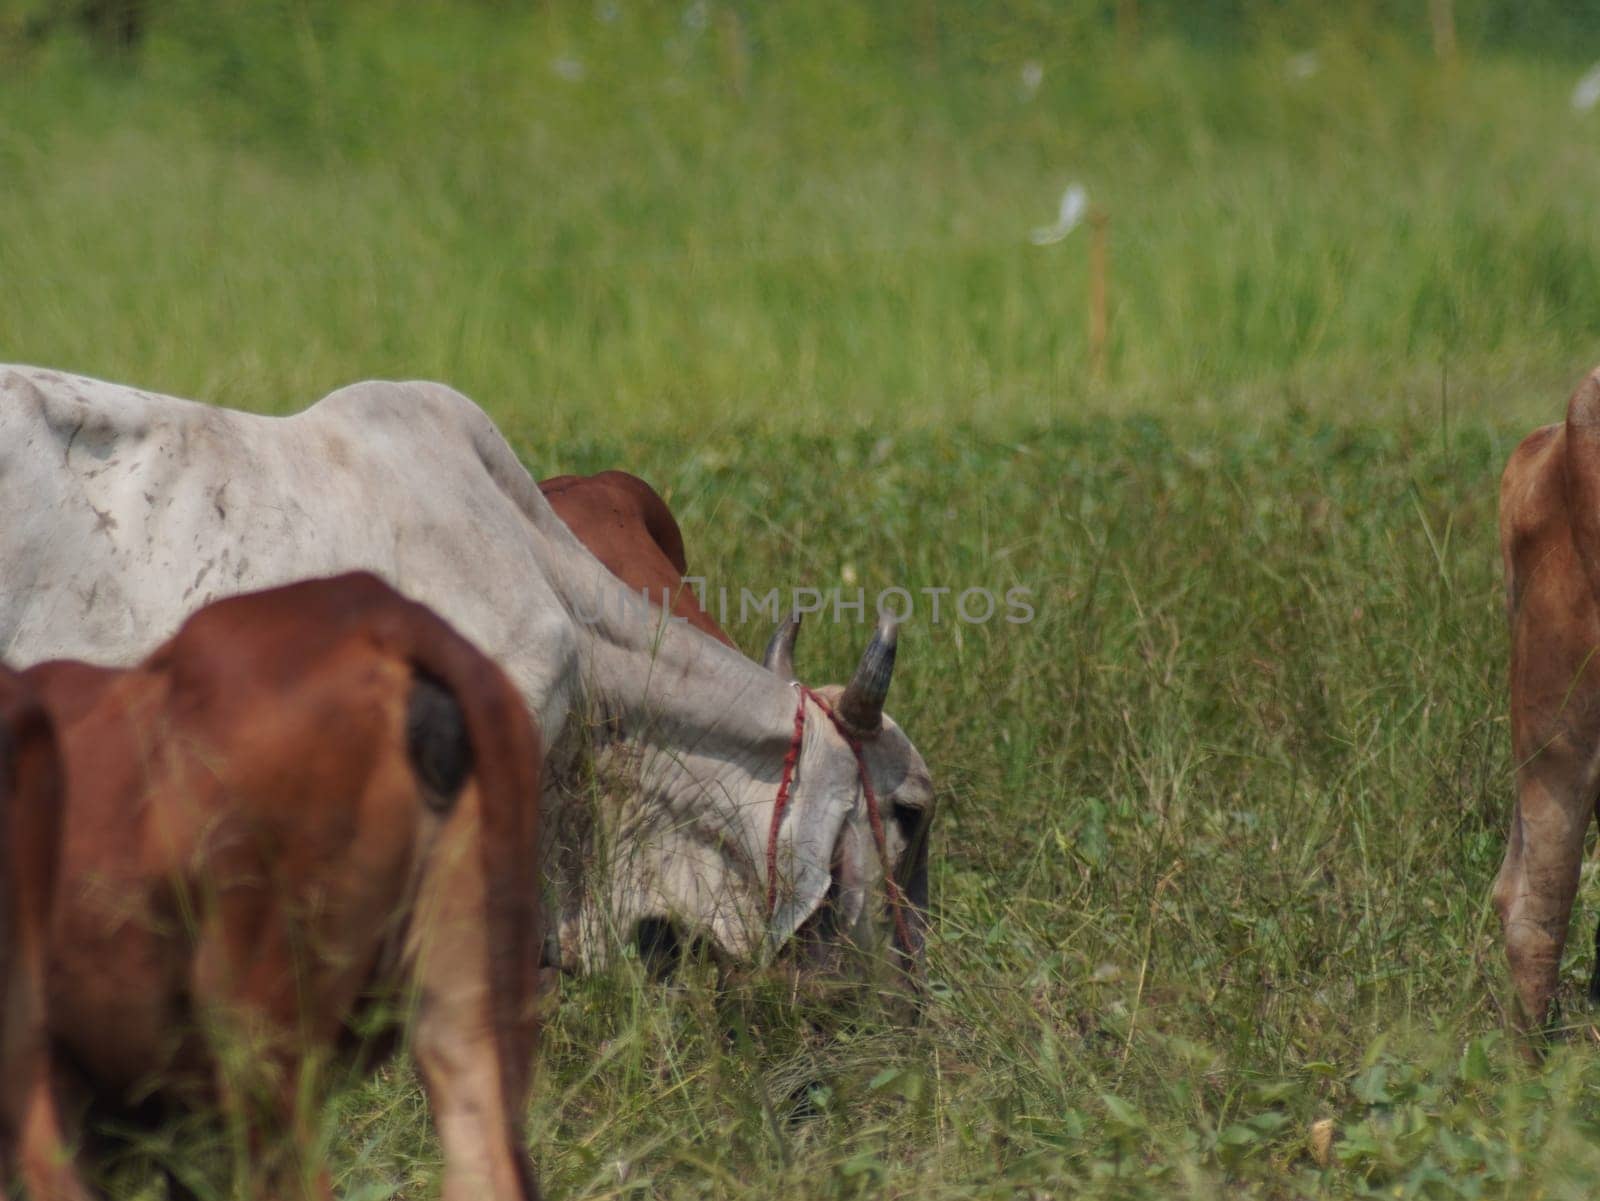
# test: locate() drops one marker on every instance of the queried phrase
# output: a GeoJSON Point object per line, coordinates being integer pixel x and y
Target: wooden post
{"type": "Point", "coordinates": [1442, 14]}
{"type": "Point", "coordinates": [735, 50]}
{"type": "Point", "coordinates": [1127, 23]}
{"type": "Point", "coordinates": [928, 34]}
{"type": "Point", "coordinates": [1099, 315]}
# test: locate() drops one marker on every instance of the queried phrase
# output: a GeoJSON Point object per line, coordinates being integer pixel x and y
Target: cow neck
{"type": "Point", "coordinates": [672, 685]}
{"type": "Point", "coordinates": [660, 680]}
{"type": "Point", "coordinates": [663, 681]}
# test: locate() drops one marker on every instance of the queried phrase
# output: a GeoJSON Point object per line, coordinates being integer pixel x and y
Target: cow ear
{"type": "Point", "coordinates": [779, 657]}
{"type": "Point", "coordinates": [861, 704]}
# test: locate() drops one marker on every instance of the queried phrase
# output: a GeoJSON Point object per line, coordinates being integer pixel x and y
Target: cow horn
{"type": "Point", "coordinates": [861, 705]}
{"type": "Point", "coordinates": [779, 656]}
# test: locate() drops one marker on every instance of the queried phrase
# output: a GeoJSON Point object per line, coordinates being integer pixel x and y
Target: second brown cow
{"type": "Point", "coordinates": [1550, 539]}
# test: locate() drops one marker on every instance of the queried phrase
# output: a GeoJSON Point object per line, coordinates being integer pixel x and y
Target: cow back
{"type": "Point", "coordinates": [624, 523]}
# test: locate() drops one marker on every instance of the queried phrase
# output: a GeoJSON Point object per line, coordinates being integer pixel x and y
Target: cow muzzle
{"type": "Point", "coordinates": [853, 940]}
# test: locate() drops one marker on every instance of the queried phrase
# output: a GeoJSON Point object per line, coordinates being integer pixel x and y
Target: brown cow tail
{"type": "Point", "coordinates": [1583, 473]}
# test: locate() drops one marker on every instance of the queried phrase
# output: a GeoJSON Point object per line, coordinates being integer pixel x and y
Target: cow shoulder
{"type": "Point", "coordinates": [413, 410]}
{"type": "Point", "coordinates": [418, 421]}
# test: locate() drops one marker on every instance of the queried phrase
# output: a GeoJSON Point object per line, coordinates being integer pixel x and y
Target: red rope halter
{"type": "Point", "coordinates": [780, 806]}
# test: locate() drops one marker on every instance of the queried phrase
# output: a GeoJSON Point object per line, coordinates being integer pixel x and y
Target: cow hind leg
{"type": "Point", "coordinates": [1538, 881]}
{"type": "Point", "coordinates": [44, 1165]}
{"type": "Point", "coordinates": [245, 986]}
{"type": "Point", "coordinates": [33, 1139]}
{"type": "Point", "coordinates": [472, 1069]}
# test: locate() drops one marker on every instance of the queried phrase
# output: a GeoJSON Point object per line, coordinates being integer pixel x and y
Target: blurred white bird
{"type": "Point", "coordinates": [569, 68]}
{"type": "Point", "coordinates": [1302, 66]}
{"type": "Point", "coordinates": [1074, 204]}
{"type": "Point", "coordinates": [1587, 94]}
{"type": "Point", "coordinates": [1032, 77]}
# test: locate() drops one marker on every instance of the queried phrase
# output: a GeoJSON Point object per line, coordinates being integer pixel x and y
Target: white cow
{"type": "Point", "coordinates": [125, 510]}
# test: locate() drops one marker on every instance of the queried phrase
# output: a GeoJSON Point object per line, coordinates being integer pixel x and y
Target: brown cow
{"type": "Point", "coordinates": [1550, 540]}
{"type": "Point", "coordinates": [628, 527]}
{"type": "Point", "coordinates": [306, 793]}
{"type": "Point", "coordinates": [30, 848]}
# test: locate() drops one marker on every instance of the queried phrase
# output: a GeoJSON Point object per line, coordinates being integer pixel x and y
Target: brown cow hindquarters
{"type": "Point", "coordinates": [265, 822]}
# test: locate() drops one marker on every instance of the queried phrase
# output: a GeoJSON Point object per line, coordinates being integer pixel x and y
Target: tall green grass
{"type": "Point", "coordinates": [798, 217]}
{"type": "Point", "coordinates": [1215, 842]}
{"type": "Point", "coordinates": [1217, 828]}
{"type": "Point", "coordinates": [1214, 847]}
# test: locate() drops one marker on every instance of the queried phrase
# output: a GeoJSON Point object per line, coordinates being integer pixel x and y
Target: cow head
{"type": "Point", "coordinates": [682, 842]}
{"type": "Point", "coordinates": [857, 918]}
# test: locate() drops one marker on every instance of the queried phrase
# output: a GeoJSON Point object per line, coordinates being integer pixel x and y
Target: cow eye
{"type": "Point", "coordinates": [907, 817]}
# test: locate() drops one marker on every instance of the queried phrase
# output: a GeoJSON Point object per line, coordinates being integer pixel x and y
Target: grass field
{"type": "Point", "coordinates": [1217, 828]}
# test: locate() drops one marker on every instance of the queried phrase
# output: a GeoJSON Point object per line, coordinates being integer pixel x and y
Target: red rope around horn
{"type": "Point", "coordinates": [780, 806]}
